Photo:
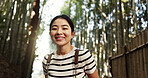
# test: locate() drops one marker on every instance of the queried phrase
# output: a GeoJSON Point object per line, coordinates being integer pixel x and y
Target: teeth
{"type": "Point", "coordinates": [59, 38]}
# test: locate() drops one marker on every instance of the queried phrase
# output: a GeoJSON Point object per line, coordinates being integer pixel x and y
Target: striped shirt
{"type": "Point", "coordinates": [62, 66]}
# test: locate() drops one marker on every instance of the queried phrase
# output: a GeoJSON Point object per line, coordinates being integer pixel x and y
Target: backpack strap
{"type": "Point", "coordinates": [49, 58]}
{"type": "Point", "coordinates": [48, 62]}
{"type": "Point", "coordinates": [76, 56]}
{"type": "Point", "coordinates": [76, 61]}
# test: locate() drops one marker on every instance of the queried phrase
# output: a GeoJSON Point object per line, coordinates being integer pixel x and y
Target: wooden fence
{"type": "Point", "coordinates": [131, 61]}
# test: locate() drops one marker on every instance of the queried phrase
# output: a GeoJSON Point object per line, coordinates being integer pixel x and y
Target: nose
{"type": "Point", "coordinates": [59, 31]}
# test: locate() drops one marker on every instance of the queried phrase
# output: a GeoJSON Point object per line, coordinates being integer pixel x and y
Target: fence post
{"type": "Point", "coordinates": [145, 53]}
{"type": "Point", "coordinates": [125, 62]}
{"type": "Point", "coordinates": [110, 64]}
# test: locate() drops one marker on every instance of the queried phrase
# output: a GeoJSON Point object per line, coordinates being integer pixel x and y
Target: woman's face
{"type": "Point", "coordinates": [61, 32]}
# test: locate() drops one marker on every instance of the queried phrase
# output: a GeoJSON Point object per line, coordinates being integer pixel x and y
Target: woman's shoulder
{"type": "Point", "coordinates": [83, 50]}
{"type": "Point", "coordinates": [46, 57]}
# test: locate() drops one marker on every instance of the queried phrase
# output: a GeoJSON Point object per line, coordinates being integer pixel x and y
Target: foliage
{"type": "Point", "coordinates": [105, 26]}
{"type": "Point", "coordinates": [14, 29]}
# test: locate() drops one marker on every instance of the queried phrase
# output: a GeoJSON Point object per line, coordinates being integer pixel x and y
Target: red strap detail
{"type": "Point", "coordinates": [76, 56]}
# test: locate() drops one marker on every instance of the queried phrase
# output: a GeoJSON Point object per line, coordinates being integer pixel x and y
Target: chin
{"type": "Point", "coordinates": [61, 44]}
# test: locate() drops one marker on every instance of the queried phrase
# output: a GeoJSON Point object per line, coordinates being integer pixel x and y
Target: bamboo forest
{"type": "Point", "coordinates": [110, 29]}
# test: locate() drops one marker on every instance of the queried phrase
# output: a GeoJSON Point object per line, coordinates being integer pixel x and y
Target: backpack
{"type": "Point", "coordinates": [75, 61]}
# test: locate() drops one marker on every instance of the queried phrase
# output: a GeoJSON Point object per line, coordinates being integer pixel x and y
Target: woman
{"type": "Point", "coordinates": [62, 61]}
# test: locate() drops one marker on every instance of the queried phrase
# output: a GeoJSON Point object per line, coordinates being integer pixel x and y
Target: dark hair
{"type": "Point", "coordinates": [64, 17]}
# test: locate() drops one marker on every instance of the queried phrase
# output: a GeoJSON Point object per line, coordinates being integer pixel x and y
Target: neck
{"type": "Point", "coordinates": [62, 50]}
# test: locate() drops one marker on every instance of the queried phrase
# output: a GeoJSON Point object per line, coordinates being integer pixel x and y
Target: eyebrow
{"type": "Point", "coordinates": [56, 25]}
{"type": "Point", "coordinates": [65, 25]}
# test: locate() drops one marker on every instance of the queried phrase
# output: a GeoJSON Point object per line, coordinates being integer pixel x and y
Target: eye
{"type": "Point", "coordinates": [53, 28]}
{"type": "Point", "coordinates": [65, 28]}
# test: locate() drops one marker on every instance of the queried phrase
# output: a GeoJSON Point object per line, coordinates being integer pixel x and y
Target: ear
{"type": "Point", "coordinates": [72, 34]}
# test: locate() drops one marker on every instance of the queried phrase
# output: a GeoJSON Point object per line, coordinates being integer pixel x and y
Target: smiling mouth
{"type": "Point", "coordinates": [59, 38]}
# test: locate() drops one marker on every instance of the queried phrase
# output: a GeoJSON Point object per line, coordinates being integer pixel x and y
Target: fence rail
{"type": "Point", "coordinates": [131, 61]}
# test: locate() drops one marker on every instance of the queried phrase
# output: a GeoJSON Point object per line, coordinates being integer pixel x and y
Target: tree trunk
{"type": "Point", "coordinates": [117, 27]}
{"type": "Point", "coordinates": [127, 23]}
{"type": "Point", "coordinates": [147, 10]}
{"type": "Point", "coordinates": [29, 57]}
{"type": "Point", "coordinates": [134, 17]}
{"type": "Point", "coordinates": [121, 25]}
{"type": "Point", "coordinates": [7, 31]}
